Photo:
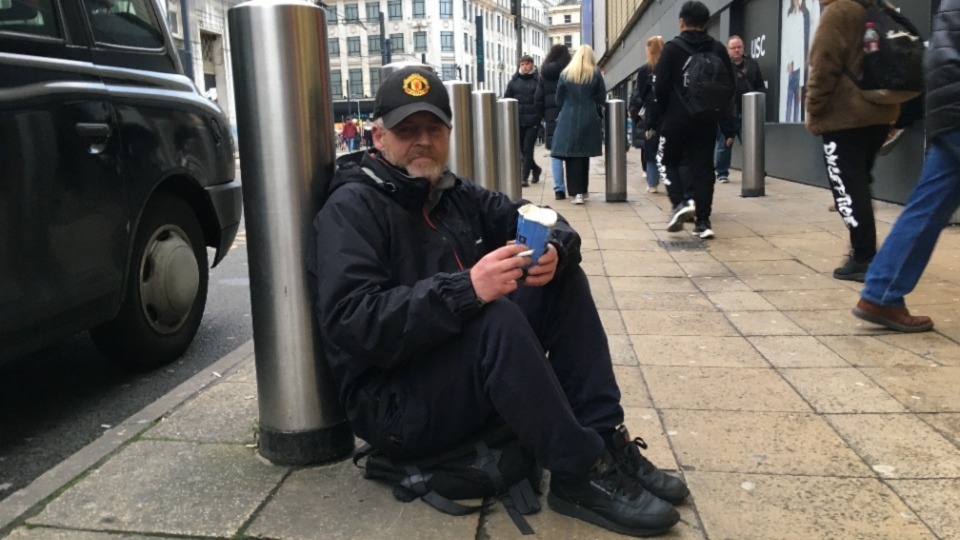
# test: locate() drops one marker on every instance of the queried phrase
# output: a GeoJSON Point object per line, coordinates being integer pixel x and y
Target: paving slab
{"type": "Point", "coordinates": [167, 487]}
{"type": "Point", "coordinates": [796, 351]}
{"type": "Point", "coordinates": [226, 413]}
{"type": "Point", "coordinates": [898, 445]}
{"type": "Point", "coordinates": [947, 424]}
{"type": "Point", "coordinates": [841, 390]}
{"type": "Point", "coordinates": [723, 389]}
{"type": "Point", "coordinates": [873, 351]}
{"type": "Point", "coordinates": [921, 389]}
{"type": "Point", "coordinates": [46, 533]}
{"type": "Point", "coordinates": [336, 502]}
{"type": "Point", "coordinates": [927, 345]}
{"type": "Point", "coordinates": [733, 351]}
{"type": "Point", "coordinates": [633, 391]}
{"type": "Point", "coordinates": [764, 323]}
{"type": "Point", "coordinates": [760, 442]}
{"type": "Point", "coordinates": [935, 501]}
{"type": "Point", "coordinates": [737, 505]}
{"type": "Point", "coordinates": [676, 323]}
{"type": "Point", "coordinates": [654, 300]}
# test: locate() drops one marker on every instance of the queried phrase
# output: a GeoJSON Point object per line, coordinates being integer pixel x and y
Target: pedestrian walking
{"type": "Point", "coordinates": [523, 88]}
{"type": "Point", "coordinates": [557, 59]}
{"type": "Point", "coordinates": [642, 102]}
{"type": "Point", "coordinates": [748, 79]}
{"type": "Point", "coordinates": [904, 255]}
{"type": "Point", "coordinates": [687, 116]}
{"type": "Point", "coordinates": [852, 128]}
{"type": "Point", "coordinates": [349, 134]}
{"type": "Point", "coordinates": [581, 95]}
{"type": "Point", "coordinates": [430, 336]}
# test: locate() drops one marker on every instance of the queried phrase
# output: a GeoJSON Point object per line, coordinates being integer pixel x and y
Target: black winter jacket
{"type": "Point", "coordinates": [523, 88]}
{"type": "Point", "coordinates": [749, 79]}
{"type": "Point", "coordinates": [942, 65]}
{"type": "Point", "coordinates": [392, 266]}
{"type": "Point", "coordinates": [670, 114]}
{"type": "Point", "coordinates": [546, 98]}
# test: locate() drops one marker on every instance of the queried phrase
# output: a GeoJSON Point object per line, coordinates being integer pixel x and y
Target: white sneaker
{"type": "Point", "coordinates": [707, 233]}
{"type": "Point", "coordinates": [578, 199]}
{"type": "Point", "coordinates": [652, 189]}
{"type": "Point", "coordinates": [723, 180]}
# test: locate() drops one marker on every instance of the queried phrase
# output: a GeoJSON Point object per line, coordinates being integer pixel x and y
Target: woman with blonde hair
{"type": "Point", "coordinates": [581, 94]}
{"type": "Point", "coordinates": [642, 102]}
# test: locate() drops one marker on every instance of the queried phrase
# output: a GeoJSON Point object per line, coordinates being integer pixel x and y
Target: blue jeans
{"type": "Point", "coordinates": [722, 164]}
{"type": "Point", "coordinates": [556, 167]}
{"type": "Point", "coordinates": [793, 96]}
{"type": "Point", "coordinates": [898, 265]}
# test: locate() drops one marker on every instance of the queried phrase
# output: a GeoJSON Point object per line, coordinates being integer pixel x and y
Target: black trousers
{"type": "Point", "coordinates": [528, 139]}
{"type": "Point", "coordinates": [539, 359]}
{"type": "Point", "coordinates": [849, 155]}
{"type": "Point", "coordinates": [578, 171]}
{"type": "Point", "coordinates": [685, 161]}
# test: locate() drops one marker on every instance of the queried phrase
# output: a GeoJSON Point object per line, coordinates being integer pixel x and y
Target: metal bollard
{"type": "Point", "coordinates": [616, 150]}
{"type": "Point", "coordinates": [484, 139]}
{"type": "Point", "coordinates": [285, 128]}
{"type": "Point", "coordinates": [754, 151]}
{"type": "Point", "coordinates": [508, 148]}
{"type": "Point", "coordinates": [461, 138]}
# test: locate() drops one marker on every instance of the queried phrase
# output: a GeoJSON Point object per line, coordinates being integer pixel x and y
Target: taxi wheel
{"type": "Point", "coordinates": [166, 290]}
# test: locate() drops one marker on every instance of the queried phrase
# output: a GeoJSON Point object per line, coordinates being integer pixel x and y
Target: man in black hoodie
{"type": "Point", "coordinates": [523, 87]}
{"type": "Point", "coordinates": [684, 140]}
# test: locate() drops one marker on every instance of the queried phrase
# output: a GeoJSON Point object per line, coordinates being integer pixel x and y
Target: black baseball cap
{"type": "Point", "coordinates": [410, 90]}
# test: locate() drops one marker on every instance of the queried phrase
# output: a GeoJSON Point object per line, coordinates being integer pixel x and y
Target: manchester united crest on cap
{"type": "Point", "coordinates": [416, 85]}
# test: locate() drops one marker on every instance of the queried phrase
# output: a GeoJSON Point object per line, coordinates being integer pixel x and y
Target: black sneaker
{"type": "Point", "coordinates": [610, 498]}
{"type": "Point", "coordinates": [682, 213]}
{"type": "Point", "coordinates": [536, 176]}
{"type": "Point", "coordinates": [560, 195]}
{"type": "Point", "coordinates": [524, 184]}
{"type": "Point", "coordinates": [852, 270]}
{"type": "Point", "coordinates": [628, 456]}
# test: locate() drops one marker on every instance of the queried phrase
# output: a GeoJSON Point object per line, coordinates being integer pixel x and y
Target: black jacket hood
{"type": "Point", "coordinates": [551, 71]}
{"type": "Point", "coordinates": [369, 167]}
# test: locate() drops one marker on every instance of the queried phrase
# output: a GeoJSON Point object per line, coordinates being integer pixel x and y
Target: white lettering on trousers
{"type": "Point", "coordinates": [844, 202]}
{"type": "Point", "coordinates": [660, 166]}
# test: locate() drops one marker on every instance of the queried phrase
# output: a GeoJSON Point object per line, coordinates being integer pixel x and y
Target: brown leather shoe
{"type": "Point", "coordinates": [894, 318]}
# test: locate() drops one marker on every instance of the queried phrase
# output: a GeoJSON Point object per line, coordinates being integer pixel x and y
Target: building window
{"type": "Point", "coordinates": [446, 41]}
{"type": "Point", "coordinates": [395, 10]}
{"type": "Point", "coordinates": [173, 19]}
{"type": "Point", "coordinates": [373, 44]}
{"type": "Point", "coordinates": [420, 41]}
{"type": "Point", "coordinates": [448, 72]}
{"type": "Point", "coordinates": [419, 9]}
{"type": "Point", "coordinates": [466, 11]}
{"type": "Point", "coordinates": [567, 19]}
{"type": "Point", "coordinates": [331, 14]}
{"type": "Point", "coordinates": [446, 9]}
{"type": "Point", "coordinates": [356, 82]}
{"type": "Point", "coordinates": [568, 41]}
{"type": "Point", "coordinates": [396, 42]}
{"type": "Point", "coordinates": [334, 45]}
{"type": "Point", "coordinates": [351, 12]}
{"type": "Point", "coordinates": [374, 80]}
{"type": "Point", "coordinates": [373, 12]}
{"type": "Point", "coordinates": [353, 46]}
{"type": "Point", "coordinates": [466, 42]}
{"type": "Point", "coordinates": [336, 83]}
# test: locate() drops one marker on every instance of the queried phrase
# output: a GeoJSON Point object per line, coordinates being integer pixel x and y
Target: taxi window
{"type": "Point", "coordinates": [128, 23]}
{"type": "Point", "coordinates": [31, 17]}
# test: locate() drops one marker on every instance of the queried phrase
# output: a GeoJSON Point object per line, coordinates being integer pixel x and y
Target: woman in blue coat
{"type": "Point", "coordinates": [581, 94]}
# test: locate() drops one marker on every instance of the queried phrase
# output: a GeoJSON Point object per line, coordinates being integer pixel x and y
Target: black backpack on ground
{"type": "Point", "coordinates": [894, 73]}
{"type": "Point", "coordinates": [492, 463]}
{"type": "Point", "coordinates": [708, 83]}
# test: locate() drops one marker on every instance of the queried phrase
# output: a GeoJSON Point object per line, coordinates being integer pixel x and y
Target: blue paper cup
{"type": "Point", "coordinates": [533, 227]}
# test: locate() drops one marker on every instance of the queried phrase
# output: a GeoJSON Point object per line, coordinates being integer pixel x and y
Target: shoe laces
{"type": "Point", "coordinates": [619, 482]}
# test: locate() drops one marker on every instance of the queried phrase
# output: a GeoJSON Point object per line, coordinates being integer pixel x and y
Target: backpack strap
{"type": "Point", "coordinates": [415, 485]}
{"type": "Point", "coordinates": [514, 498]}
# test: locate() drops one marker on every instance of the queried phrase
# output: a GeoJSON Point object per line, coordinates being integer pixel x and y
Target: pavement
{"type": "Point", "coordinates": [739, 363]}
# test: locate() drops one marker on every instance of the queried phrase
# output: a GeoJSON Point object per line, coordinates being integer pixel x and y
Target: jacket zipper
{"type": "Point", "coordinates": [434, 227]}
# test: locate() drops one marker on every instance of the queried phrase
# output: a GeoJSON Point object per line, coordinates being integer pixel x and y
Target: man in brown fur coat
{"type": "Point", "coordinates": [853, 129]}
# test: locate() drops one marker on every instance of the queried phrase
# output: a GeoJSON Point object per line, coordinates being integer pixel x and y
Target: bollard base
{"type": "Point", "coordinates": [616, 197]}
{"type": "Point", "coordinates": [756, 192]}
{"type": "Point", "coordinates": [306, 447]}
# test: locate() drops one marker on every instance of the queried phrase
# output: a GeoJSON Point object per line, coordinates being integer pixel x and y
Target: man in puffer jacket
{"type": "Point", "coordinates": [852, 128]}
{"type": "Point", "coordinates": [433, 324]}
{"type": "Point", "coordinates": [523, 88]}
{"type": "Point", "coordinates": [906, 251]}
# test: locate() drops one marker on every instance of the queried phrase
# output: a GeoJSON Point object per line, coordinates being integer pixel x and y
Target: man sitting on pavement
{"type": "Point", "coordinates": [433, 323]}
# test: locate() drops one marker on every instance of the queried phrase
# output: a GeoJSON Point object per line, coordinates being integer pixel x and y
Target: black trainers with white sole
{"type": "Point", "coordinates": [681, 214]}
